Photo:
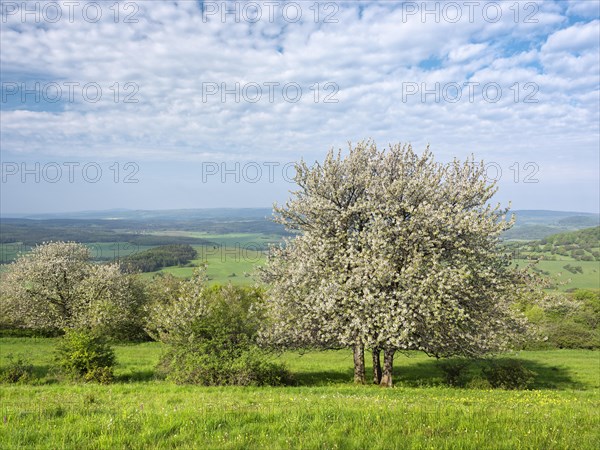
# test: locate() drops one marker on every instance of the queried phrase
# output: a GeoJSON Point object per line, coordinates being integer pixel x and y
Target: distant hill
{"type": "Point", "coordinates": [579, 245]}
{"type": "Point", "coordinates": [530, 224]}
{"type": "Point", "coordinates": [534, 225]}
{"type": "Point", "coordinates": [587, 237]}
{"type": "Point", "coordinates": [142, 228]}
{"type": "Point", "coordinates": [177, 215]}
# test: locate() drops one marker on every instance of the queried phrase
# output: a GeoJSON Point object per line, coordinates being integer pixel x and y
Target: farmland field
{"type": "Point", "coordinates": [232, 259]}
{"type": "Point", "coordinates": [234, 265]}
{"type": "Point", "coordinates": [588, 279]}
{"type": "Point", "coordinates": [323, 410]}
{"type": "Point", "coordinates": [563, 279]}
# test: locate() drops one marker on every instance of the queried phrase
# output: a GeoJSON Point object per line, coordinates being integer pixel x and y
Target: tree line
{"type": "Point", "coordinates": [156, 258]}
{"type": "Point", "coordinates": [581, 245]}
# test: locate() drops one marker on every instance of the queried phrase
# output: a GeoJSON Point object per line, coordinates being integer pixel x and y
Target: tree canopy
{"type": "Point", "coordinates": [392, 251]}
{"type": "Point", "coordinates": [57, 287]}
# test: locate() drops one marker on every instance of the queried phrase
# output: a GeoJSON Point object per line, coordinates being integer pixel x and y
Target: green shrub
{"type": "Point", "coordinates": [250, 367]}
{"type": "Point", "coordinates": [84, 355]}
{"type": "Point", "coordinates": [589, 312]}
{"type": "Point", "coordinates": [570, 334]}
{"type": "Point", "coordinates": [17, 370]}
{"type": "Point", "coordinates": [508, 374]}
{"type": "Point", "coordinates": [478, 383]}
{"type": "Point", "coordinates": [573, 269]}
{"type": "Point", "coordinates": [102, 375]}
{"type": "Point", "coordinates": [211, 334]}
{"type": "Point", "coordinates": [253, 368]}
{"type": "Point", "coordinates": [454, 371]}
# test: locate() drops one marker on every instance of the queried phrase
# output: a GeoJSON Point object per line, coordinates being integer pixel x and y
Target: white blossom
{"type": "Point", "coordinates": [393, 250]}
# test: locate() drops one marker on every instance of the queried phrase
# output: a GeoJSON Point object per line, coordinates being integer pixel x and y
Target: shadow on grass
{"type": "Point", "coordinates": [42, 371]}
{"type": "Point", "coordinates": [48, 374]}
{"type": "Point", "coordinates": [552, 377]}
{"type": "Point", "coordinates": [427, 373]}
{"type": "Point", "coordinates": [136, 376]}
{"type": "Point", "coordinates": [323, 377]}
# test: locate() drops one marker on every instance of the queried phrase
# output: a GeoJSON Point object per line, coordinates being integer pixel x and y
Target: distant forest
{"type": "Point", "coordinates": [581, 245]}
{"type": "Point", "coordinates": [30, 232]}
{"type": "Point", "coordinates": [158, 257]}
{"type": "Point", "coordinates": [534, 233]}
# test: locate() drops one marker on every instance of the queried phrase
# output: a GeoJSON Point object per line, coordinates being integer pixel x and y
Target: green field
{"type": "Point", "coordinates": [225, 264]}
{"type": "Point", "coordinates": [563, 279]}
{"type": "Point", "coordinates": [589, 279]}
{"type": "Point", "coordinates": [233, 258]}
{"type": "Point", "coordinates": [244, 240]}
{"type": "Point", "coordinates": [324, 410]}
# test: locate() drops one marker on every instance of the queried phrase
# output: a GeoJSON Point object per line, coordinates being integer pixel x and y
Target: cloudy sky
{"type": "Point", "coordinates": [187, 104]}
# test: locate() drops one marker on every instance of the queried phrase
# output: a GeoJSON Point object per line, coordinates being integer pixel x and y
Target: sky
{"type": "Point", "coordinates": [187, 104]}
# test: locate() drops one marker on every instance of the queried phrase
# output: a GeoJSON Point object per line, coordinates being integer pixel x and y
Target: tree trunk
{"type": "Point", "coordinates": [388, 367]}
{"type": "Point", "coordinates": [359, 363]}
{"type": "Point", "coordinates": [376, 365]}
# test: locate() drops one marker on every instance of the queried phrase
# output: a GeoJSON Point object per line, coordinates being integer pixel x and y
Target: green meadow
{"type": "Point", "coordinates": [588, 279]}
{"type": "Point", "coordinates": [564, 280]}
{"type": "Point", "coordinates": [224, 264]}
{"type": "Point", "coordinates": [322, 410]}
{"type": "Point", "coordinates": [232, 259]}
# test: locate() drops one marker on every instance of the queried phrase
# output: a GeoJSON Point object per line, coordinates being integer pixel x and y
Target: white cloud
{"type": "Point", "coordinates": [579, 37]}
{"type": "Point", "coordinates": [171, 53]}
{"type": "Point", "coordinates": [587, 9]}
{"type": "Point", "coordinates": [466, 52]}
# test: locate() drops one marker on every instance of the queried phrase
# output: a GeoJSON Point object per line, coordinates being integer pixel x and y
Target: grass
{"type": "Point", "coordinates": [324, 410]}
{"type": "Point", "coordinates": [589, 279]}
{"type": "Point", "coordinates": [227, 264]}
{"type": "Point", "coordinates": [564, 280]}
{"type": "Point", "coordinates": [250, 240]}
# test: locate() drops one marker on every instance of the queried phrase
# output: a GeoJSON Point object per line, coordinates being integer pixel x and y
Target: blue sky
{"type": "Point", "coordinates": [160, 105]}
